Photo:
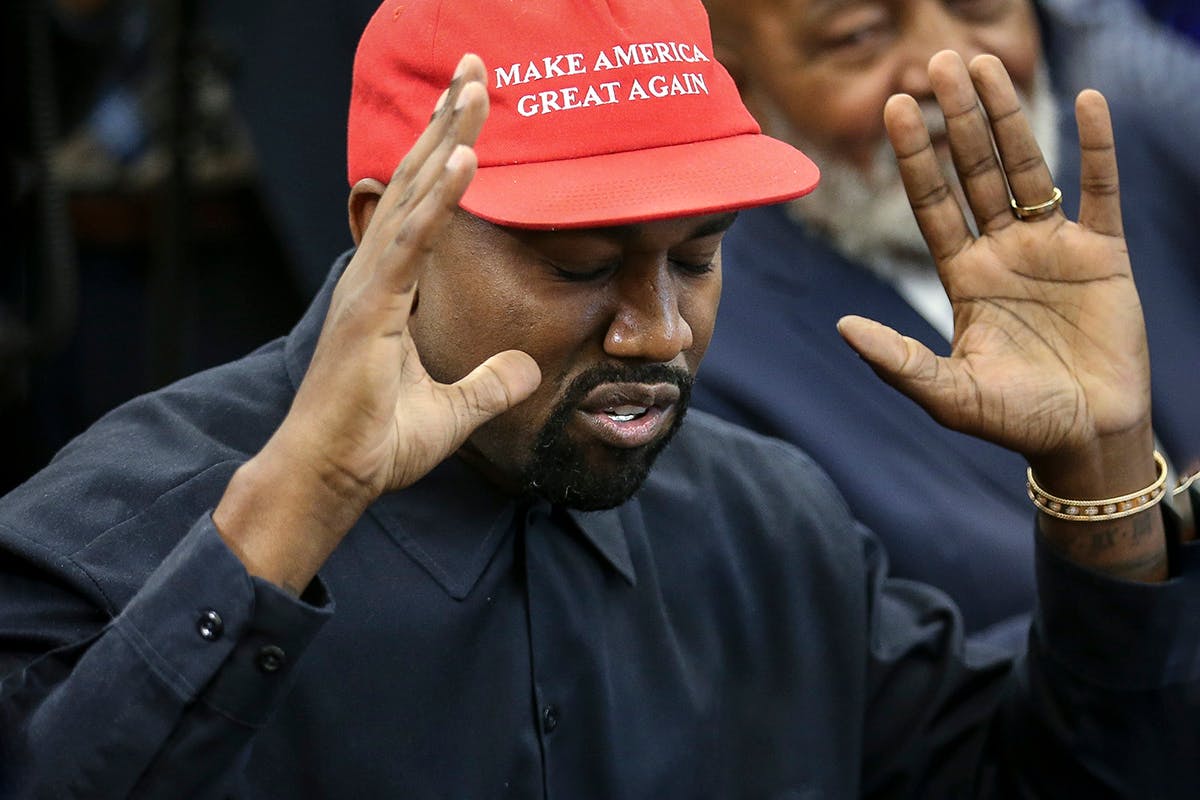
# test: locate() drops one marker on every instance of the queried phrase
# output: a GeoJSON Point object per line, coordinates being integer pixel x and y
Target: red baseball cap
{"type": "Point", "coordinates": [603, 112]}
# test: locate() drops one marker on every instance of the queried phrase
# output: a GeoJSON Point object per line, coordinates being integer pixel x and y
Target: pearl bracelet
{"type": "Point", "coordinates": [1099, 510]}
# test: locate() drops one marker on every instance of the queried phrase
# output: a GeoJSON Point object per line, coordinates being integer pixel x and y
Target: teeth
{"type": "Point", "coordinates": [625, 413]}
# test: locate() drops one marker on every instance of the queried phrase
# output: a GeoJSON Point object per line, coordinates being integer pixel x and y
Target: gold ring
{"type": "Point", "coordinates": [1029, 212]}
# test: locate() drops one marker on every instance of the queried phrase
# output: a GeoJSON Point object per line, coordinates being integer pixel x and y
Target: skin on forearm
{"type": "Point", "coordinates": [1131, 548]}
{"type": "Point", "coordinates": [282, 522]}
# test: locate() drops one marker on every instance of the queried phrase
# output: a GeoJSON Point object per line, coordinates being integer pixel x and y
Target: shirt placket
{"type": "Point", "coordinates": [563, 582]}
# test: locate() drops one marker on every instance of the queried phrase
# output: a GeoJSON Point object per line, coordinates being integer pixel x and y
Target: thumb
{"type": "Point", "coordinates": [492, 388]}
{"type": "Point", "coordinates": [901, 361]}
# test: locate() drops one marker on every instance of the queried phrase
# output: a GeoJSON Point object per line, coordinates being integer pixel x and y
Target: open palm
{"type": "Point", "coordinates": [1049, 349]}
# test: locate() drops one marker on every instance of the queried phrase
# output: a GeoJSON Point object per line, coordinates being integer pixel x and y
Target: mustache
{"type": "Point", "coordinates": [590, 378]}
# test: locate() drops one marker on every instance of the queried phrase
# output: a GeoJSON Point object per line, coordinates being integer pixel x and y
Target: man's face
{"type": "Point", "coordinates": [829, 66]}
{"type": "Point", "coordinates": [817, 73]}
{"type": "Point", "coordinates": [616, 318]}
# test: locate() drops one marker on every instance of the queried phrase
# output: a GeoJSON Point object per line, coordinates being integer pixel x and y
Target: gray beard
{"type": "Point", "coordinates": [866, 216]}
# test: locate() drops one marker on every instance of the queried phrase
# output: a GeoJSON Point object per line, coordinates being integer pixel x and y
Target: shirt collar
{"type": "Point", "coordinates": [606, 532]}
{"type": "Point", "coordinates": [453, 521]}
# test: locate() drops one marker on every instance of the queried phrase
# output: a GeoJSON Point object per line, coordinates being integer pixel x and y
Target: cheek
{"type": "Point", "coordinates": [1020, 57]}
{"type": "Point", "coordinates": [456, 330]}
{"type": "Point", "coordinates": [1016, 41]}
{"type": "Point", "coordinates": [700, 313]}
{"type": "Point", "coordinates": [840, 111]}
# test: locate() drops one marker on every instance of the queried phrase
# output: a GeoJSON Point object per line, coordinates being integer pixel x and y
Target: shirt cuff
{"type": "Point", "coordinates": [1120, 634]}
{"type": "Point", "coordinates": [201, 615]}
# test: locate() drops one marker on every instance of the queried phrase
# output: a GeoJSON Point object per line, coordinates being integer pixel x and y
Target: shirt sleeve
{"type": "Point", "coordinates": [1102, 705]}
{"type": "Point", "coordinates": [1108, 695]}
{"type": "Point", "coordinates": [163, 700]}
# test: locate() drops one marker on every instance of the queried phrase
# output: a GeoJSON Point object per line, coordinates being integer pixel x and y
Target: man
{"type": "Point", "coordinates": [818, 75]}
{"type": "Point", "coordinates": [511, 344]}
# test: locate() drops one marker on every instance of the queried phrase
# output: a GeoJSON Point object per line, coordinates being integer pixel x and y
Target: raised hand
{"type": "Point", "coordinates": [1049, 348]}
{"type": "Point", "coordinates": [1049, 354]}
{"type": "Point", "coordinates": [367, 407]}
{"type": "Point", "coordinates": [368, 418]}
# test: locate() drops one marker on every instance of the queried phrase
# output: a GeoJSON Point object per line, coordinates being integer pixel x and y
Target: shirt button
{"type": "Point", "coordinates": [549, 718]}
{"type": "Point", "coordinates": [209, 626]}
{"type": "Point", "coordinates": [271, 658]}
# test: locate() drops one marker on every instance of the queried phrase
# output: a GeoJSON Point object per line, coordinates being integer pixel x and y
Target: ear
{"type": "Point", "coordinates": [364, 197]}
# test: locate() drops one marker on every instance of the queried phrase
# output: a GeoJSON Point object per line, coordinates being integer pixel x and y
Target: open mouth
{"type": "Point", "coordinates": [628, 415]}
{"type": "Point", "coordinates": [625, 413]}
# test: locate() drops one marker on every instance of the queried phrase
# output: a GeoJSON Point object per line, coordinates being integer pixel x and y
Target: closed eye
{"type": "Point", "coordinates": [579, 273]}
{"type": "Point", "coordinates": [694, 267]}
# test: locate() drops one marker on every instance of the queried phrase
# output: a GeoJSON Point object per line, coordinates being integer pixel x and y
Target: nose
{"type": "Point", "coordinates": [929, 27]}
{"type": "Point", "coordinates": [647, 324]}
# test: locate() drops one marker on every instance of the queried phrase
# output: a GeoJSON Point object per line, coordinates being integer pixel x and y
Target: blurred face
{"type": "Point", "coordinates": [817, 73]}
{"type": "Point", "coordinates": [828, 66]}
{"type": "Point", "coordinates": [616, 318]}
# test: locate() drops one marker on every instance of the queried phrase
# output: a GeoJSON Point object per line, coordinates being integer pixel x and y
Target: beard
{"type": "Point", "coordinates": [559, 470]}
{"type": "Point", "coordinates": [866, 215]}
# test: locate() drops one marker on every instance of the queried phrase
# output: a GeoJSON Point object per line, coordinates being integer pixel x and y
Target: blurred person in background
{"type": "Point", "coordinates": [817, 74]}
{"type": "Point", "coordinates": [138, 248]}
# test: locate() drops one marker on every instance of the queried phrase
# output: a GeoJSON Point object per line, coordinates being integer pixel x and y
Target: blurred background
{"type": "Point", "coordinates": [175, 181]}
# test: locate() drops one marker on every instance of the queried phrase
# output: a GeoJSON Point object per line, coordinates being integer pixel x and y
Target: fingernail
{"type": "Point", "coordinates": [456, 158]}
{"type": "Point", "coordinates": [441, 101]}
{"type": "Point", "coordinates": [461, 68]}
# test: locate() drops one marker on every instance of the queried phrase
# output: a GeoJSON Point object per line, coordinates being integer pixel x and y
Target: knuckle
{"type": "Point", "coordinates": [1028, 163]}
{"type": "Point", "coordinates": [978, 166]}
{"type": "Point", "coordinates": [930, 197]}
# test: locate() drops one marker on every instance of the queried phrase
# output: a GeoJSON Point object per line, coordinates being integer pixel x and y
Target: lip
{"type": "Point", "coordinates": [650, 406]}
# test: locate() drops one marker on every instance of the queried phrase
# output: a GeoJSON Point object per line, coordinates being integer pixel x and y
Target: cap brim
{"type": "Point", "coordinates": [703, 177]}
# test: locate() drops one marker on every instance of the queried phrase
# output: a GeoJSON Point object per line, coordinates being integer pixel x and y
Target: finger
{"type": "Point", "coordinates": [458, 121]}
{"type": "Point", "coordinates": [1100, 197]}
{"type": "Point", "coordinates": [430, 164]}
{"type": "Point", "coordinates": [1029, 178]}
{"type": "Point", "coordinates": [490, 389]}
{"type": "Point", "coordinates": [937, 211]}
{"type": "Point", "coordinates": [971, 143]}
{"type": "Point", "coordinates": [413, 234]}
{"type": "Point", "coordinates": [902, 362]}
{"type": "Point", "coordinates": [416, 206]}
{"type": "Point", "coordinates": [469, 71]}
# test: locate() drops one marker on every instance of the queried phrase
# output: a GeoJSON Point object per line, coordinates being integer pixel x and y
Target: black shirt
{"type": "Point", "coordinates": [728, 632]}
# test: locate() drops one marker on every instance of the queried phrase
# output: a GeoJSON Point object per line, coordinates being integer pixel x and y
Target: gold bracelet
{"type": "Point", "coordinates": [1183, 483]}
{"type": "Point", "coordinates": [1099, 510]}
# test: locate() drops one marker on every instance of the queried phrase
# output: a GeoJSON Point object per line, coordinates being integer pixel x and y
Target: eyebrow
{"type": "Point", "coordinates": [820, 7]}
